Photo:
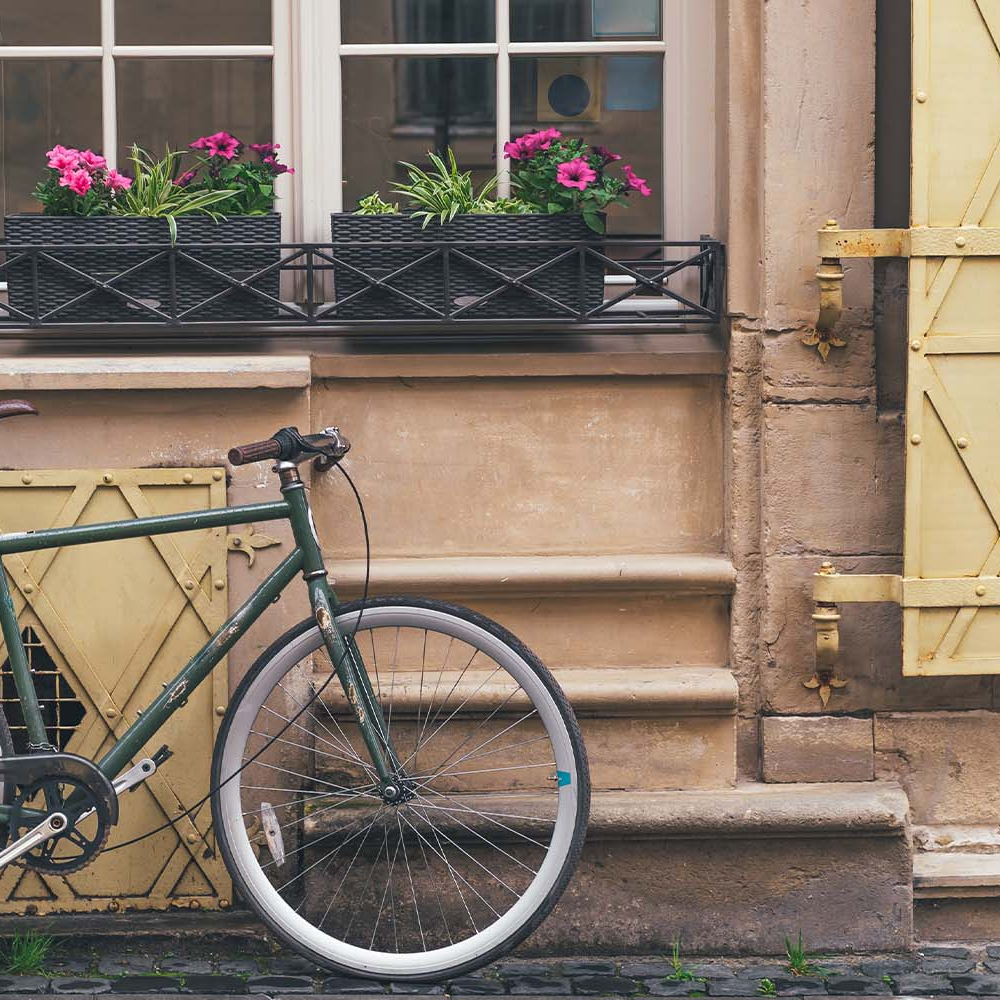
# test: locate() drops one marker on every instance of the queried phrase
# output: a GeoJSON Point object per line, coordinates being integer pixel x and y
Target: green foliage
{"type": "Point", "coordinates": [681, 973]}
{"type": "Point", "coordinates": [887, 979]}
{"type": "Point", "coordinates": [249, 187]}
{"type": "Point", "coordinates": [536, 182]}
{"type": "Point", "coordinates": [766, 988]}
{"type": "Point", "coordinates": [444, 191]}
{"type": "Point", "coordinates": [58, 200]}
{"type": "Point", "coordinates": [374, 205]}
{"type": "Point", "coordinates": [26, 954]}
{"type": "Point", "coordinates": [155, 194]}
{"type": "Point", "coordinates": [799, 962]}
{"type": "Point", "coordinates": [504, 206]}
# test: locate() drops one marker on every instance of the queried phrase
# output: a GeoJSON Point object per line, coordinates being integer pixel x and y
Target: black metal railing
{"type": "Point", "coordinates": [608, 283]}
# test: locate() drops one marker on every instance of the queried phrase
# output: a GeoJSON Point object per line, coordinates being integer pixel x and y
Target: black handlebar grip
{"type": "Point", "coordinates": [259, 451]}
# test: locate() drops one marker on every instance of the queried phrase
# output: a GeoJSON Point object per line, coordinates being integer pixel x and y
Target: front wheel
{"type": "Point", "coordinates": [436, 882]}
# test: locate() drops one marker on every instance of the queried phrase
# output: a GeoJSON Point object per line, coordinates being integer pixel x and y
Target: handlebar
{"type": "Point", "coordinates": [288, 445]}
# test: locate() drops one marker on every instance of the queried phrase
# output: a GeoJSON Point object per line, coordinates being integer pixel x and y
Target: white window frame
{"type": "Point", "coordinates": [279, 52]}
{"type": "Point", "coordinates": [307, 54]}
{"type": "Point", "coordinates": [688, 102]}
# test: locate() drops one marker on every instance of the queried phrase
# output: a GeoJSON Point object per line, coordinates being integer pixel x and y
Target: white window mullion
{"type": "Point", "coordinates": [420, 49]}
{"type": "Point", "coordinates": [109, 88]}
{"type": "Point", "coordinates": [283, 96]}
{"type": "Point", "coordinates": [503, 92]}
{"type": "Point", "coordinates": [583, 48]}
{"type": "Point", "coordinates": [192, 51]}
{"type": "Point", "coordinates": [52, 51]}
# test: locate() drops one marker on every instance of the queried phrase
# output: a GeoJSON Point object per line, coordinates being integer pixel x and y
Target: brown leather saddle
{"type": "Point", "coordinates": [15, 407]}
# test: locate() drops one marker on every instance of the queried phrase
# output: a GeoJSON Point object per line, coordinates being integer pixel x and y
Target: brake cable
{"type": "Point", "coordinates": [309, 701]}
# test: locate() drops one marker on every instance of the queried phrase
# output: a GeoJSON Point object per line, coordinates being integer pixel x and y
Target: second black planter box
{"type": "Point", "coordinates": [127, 252]}
{"type": "Point", "coordinates": [461, 284]}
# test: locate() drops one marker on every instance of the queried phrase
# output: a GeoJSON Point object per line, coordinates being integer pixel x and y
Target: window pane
{"type": "Point", "coordinates": [399, 108]}
{"type": "Point", "coordinates": [193, 22]}
{"type": "Point", "coordinates": [583, 20]}
{"type": "Point", "coordinates": [44, 102]}
{"type": "Point", "coordinates": [50, 22]}
{"type": "Point", "coordinates": [609, 100]}
{"type": "Point", "coordinates": [174, 101]}
{"type": "Point", "coordinates": [412, 21]}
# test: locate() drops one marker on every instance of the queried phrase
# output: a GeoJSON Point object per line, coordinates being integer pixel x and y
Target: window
{"type": "Point", "coordinates": [351, 87]}
{"type": "Point", "coordinates": [106, 73]}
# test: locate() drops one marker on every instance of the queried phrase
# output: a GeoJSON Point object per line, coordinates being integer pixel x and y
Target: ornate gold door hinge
{"type": "Point", "coordinates": [835, 244]}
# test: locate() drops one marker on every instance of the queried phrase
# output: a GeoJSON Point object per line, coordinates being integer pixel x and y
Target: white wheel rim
{"type": "Point", "coordinates": [388, 964]}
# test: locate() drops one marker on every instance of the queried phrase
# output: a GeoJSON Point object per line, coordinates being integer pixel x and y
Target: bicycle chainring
{"type": "Point", "coordinates": [87, 831]}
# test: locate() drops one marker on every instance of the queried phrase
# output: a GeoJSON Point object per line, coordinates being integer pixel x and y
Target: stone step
{"type": "Point", "coordinates": [948, 875]}
{"type": "Point", "coordinates": [737, 870]}
{"type": "Point", "coordinates": [682, 718]}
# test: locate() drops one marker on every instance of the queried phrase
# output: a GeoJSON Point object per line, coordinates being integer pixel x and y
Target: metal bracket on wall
{"type": "Point", "coordinates": [835, 244]}
{"type": "Point", "coordinates": [830, 589]}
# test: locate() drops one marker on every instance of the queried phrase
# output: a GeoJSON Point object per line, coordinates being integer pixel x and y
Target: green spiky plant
{"type": "Point", "coordinates": [681, 973]}
{"type": "Point", "coordinates": [154, 194]}
{"type": "Point", "coordinates": [444, 191]}
{"type": "Point", "coordinates": [26, 953]}
{"type": "Point", "coordinates": [766, 988]}
{"type": "Point", "coordinates": [799, 961]}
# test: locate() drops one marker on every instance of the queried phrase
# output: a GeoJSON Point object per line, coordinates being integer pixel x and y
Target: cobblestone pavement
{"type": "Point", "coordinates": [930, 971]}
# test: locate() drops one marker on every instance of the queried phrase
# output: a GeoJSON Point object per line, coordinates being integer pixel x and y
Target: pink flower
{"type": "Point", "coordinates": [605, 154]}
{"type": "Point", "coordinates": [528, 145]}
{"type": "Point", "coordinates": [63, 157]}
{"type": "Point", "coordinates": [91, 161]}
{"type": "Point", "coordinates": [264, 149]}
{"type": "Point", "coordinates": [576, 174]}
{"type": "Point", "coordinates": [278, 168]}
{"type": "Point", "coordinates": [78, 181]}
{"type": "Point", "coordinates": [115, 181]}
{"type": "Point", "coordinates": [185, 179]}
{"type": "Point", "coordinates": [636, 183]}
{"type": "Point", "coordinates": [219, 144]}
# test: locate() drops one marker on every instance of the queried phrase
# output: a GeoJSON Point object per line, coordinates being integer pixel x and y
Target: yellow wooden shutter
{"type": "Point", "coordinates": [951, 624]}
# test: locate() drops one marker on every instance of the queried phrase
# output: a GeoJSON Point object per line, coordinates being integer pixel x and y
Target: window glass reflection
{"type": "Point", "coordinates": [583, 20]}
{"type": "Point", "coordinates": [399, 108]}
{"type": "Point", "coordinates": [415, 21]}
{"type": "Point", "coordinates": [44, 102]}
{"type": "Point", "coordinates": [193, 22]}
{"type": "Point", "coordinates": [50, 22]}
{"type": "Point", "coordinates": [171, 102]}
{"type": "Point", "coordinates": [607, 100]}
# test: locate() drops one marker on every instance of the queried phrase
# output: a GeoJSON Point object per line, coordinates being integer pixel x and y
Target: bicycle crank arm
{"type": "Point", "coordinates": [127, 780]}
{"type": "Point", "coordinates": [51, 826]}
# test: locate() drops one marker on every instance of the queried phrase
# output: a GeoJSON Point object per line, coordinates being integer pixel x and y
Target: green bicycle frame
{"type": "Point", "coordinates": [307, 559]}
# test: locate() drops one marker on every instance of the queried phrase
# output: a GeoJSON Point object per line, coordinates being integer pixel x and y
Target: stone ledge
{"type": "Point", "coordinates": [753, 810]}
{"type": "Point", "coordinates": [651, 354]}
{"type": "Point", "coordinates": [506, 575]}
{"type": "Point", "coordinates": [628, 692]}
{"type": "Point", "coordinates": [941, 875]}
{"type": "Point", "coordinates": [185, 372]}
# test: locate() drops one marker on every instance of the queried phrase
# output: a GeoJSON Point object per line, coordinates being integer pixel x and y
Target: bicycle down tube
{"type": "Point", "coordinates": [306, 558]}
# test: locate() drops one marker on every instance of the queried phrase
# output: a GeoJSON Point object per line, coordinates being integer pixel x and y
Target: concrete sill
{"type": "Point", "coordinates": [178, 372]}
{"type": "Point", "coordinates": [506, 575]}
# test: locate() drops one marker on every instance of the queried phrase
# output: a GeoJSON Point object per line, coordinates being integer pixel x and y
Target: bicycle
{"type": "Point", "coordinates": [413, 821]}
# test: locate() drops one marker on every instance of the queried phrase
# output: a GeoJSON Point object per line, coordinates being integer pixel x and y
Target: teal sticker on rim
{"type": "Point", "coordinates": [564, 778]}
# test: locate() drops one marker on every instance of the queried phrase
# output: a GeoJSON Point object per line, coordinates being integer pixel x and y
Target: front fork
{"type": "Point", "coordinates": [342, 649]}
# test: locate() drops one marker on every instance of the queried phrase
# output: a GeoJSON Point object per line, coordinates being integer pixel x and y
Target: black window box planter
{"type": "Point", "coordinates": [476, 267]}
{"type": "Point", "coordinates": [120, 269]}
